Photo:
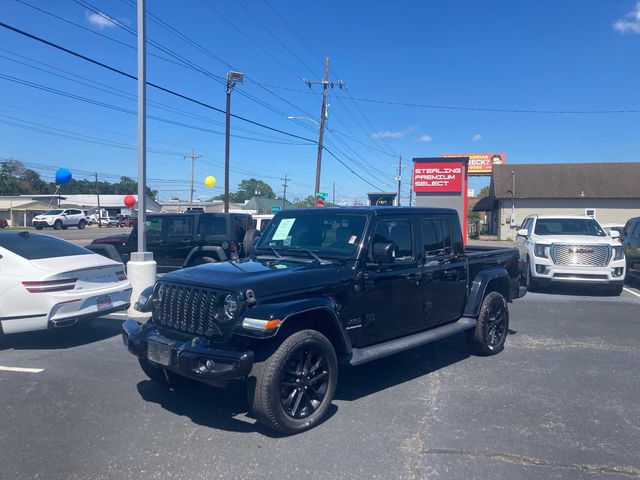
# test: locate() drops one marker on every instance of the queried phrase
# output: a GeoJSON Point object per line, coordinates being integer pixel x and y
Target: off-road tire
{"type": "Point", "coordinates": [479, 338]}
{"type": "Point", "coordinates": [531, 283]}
{"type": "Point", "coordinates": [263, 384]}
{"type": "Point", "coordinates": [248, 241]}
{"type": "Point", "coordinates": [57, 225]}
{"type": "Point", "coordinates": [81, 224]}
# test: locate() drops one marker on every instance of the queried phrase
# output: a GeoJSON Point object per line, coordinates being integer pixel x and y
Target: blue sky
{"type": "Point", "coordinates": [542, 55]}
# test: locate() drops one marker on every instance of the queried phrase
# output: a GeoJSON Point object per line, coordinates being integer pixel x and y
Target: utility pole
{"type": "Point", "coordinates": [233, 78]}
{"type": "Point", "coordinates": [98, 196]}
{"type": "Point", "coordinates": [334, 193]}
{"type": "Point", "coordinates": [410, 196]}
{"type": "Point", "coordinates": [399, 180]}
{"type": "Point", "coordinates": [193, 158]}
{"type": "Point", "coordinates": [284, 194]}
{"type": "Point", "coordinates": [323, 116]}
{"type": "Point", "coordinates": [142, 124]}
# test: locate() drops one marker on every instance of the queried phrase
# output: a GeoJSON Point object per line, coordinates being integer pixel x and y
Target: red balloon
{"type": "Point", "coordinates": [129, 201]}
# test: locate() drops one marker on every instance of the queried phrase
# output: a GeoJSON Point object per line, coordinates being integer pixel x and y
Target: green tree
{"type": "Point", "coordinates": [484, 192]}
{"type": "Point", "coordinates": [249, 188]}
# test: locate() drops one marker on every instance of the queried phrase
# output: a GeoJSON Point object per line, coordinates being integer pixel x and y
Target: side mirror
{"type": "Point", "coordinates": [523, 232]}
{"type": "Point", "coordinates": [614, 234]}
{"type": "Point", "coordinates": [384, 252]}
{"type": "Point", "coordinates": [64, 214]}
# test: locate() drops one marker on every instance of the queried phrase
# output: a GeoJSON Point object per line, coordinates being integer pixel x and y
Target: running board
{"type": "Point", "coordinates": [367, 354]}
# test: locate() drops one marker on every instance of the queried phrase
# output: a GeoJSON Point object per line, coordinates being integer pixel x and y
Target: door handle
{"type": "Point", "coordinates": [450, 274]}
{"type": "Point", "coordinates": [413, 277]}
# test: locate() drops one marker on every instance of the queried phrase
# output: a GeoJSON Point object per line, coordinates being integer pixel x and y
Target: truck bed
{"type": "Point", "coordinates": [484, 257]}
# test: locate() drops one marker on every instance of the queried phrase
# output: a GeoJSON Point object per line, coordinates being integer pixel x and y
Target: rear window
{"type": "Point", "coordinates": [213, 226]}
{"type": "Point", "coordinates": [34, 246]}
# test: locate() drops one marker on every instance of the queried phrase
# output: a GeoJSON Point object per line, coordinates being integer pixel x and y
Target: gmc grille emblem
{"type": "Point", "coordinates": [580, 250]}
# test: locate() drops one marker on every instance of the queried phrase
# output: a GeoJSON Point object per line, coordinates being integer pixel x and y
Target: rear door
{"type": "Point", "coordinates": [392, 292]}
{"type": "Point", "coordinates": [444, 269]}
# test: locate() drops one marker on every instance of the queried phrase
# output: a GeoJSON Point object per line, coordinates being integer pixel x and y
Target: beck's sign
{"type": "Point", "coordinates": [480, 164]}
{"type": "Point", "coordinates": [445, 177]}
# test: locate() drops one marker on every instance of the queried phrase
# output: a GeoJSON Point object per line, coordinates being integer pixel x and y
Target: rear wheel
{"type": "Point", "coordinates": [57, 225]}
{"type": "Point", "coordinates": [291, 390]}
{"type": "Point", "coordinates": [82, 224]}
{"type": "Point", "coordinates": [490, 333]}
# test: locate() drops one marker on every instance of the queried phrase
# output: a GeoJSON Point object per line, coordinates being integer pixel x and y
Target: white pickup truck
{"type": "Point", "coordinates": [570, 249]}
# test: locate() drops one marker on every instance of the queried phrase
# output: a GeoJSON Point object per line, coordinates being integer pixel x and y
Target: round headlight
{"type": "Point", "coordinates": [230, 306]}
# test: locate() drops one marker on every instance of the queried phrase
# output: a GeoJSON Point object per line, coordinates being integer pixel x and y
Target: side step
{"type": "Point", "coordinates": [367, 354]}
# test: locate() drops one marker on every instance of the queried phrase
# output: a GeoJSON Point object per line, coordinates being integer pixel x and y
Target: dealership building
{"type": "Point", "coordinates": [609, 192]}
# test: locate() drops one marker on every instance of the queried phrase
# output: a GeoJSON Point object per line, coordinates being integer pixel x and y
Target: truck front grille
{"type": "Point", "coordinates": [581, 255]}
{"type": "Point", "coordinates": [188, 309]}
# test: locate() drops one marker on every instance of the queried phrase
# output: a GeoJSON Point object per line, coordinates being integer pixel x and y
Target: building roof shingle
{"type": "Point", "coordinates": [568, 180]}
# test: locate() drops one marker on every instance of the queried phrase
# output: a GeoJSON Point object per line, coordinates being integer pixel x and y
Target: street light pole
{"type": "Point", "coordinates": [233, 78]}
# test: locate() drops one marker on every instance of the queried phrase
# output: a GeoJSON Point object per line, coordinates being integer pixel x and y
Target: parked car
{"type": "Point", "coordinates": [3, 223]}
{"type": "Point", "coordinates": [570, 249]}
{"type": "Point", "coordinates": [60, 218]}
{"type": "Point", "coordinates": [261, 222]}
{"type": "Point", "coordinates": [609, 227]}
{"type": "Point", "coordinates": [47, 282]}
{"type": "Point", "coordinates": [324, 286]}
{"type": "Point", "coordinates": [126, 221]}
{"type": "Point", "coordinates": [187, 239]}
{"type": "Point", "coordinates": [631, 247]}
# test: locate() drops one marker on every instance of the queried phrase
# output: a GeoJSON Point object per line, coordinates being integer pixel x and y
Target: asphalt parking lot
{"type": "Point", "coordinates": [560, 402]}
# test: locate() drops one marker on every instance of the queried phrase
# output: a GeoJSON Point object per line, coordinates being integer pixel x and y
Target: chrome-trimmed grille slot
{"type": "Point", "coordinates": [581, 255]}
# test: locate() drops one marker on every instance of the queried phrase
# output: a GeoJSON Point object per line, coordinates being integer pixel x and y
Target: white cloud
{"type": "Point", "coordinates": [630, 23]}
{"type": "Point", "coordinates": [100, 20]}
{"type": "Point", "coordinates": [476, 137]}
{"type": "Point", "coordinates": [391, 134]}
{"type": "Point", "coordinates": [425, 137]}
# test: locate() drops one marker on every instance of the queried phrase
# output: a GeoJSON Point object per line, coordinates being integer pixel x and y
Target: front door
{"type": "Point", "coordinates": [178, 239]}
{"type": "Point", "coordinates": [445, 271]}
{"type": "Point", "coordinates": [392, 292]}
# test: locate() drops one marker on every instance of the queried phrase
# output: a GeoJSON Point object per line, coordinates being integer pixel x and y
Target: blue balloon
{"type": "Point", "coordinates": [63, 175]}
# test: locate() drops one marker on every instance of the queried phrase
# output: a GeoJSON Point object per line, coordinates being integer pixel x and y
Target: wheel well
{"type": "Point", "coordinates": [500, 285]}
{"type": "Point", "coordinates": [319, 320]}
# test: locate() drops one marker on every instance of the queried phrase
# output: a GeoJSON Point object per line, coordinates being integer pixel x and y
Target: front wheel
{"type": "Point", "coordinates": [81, 224]}
{"type": "Point", "coordinates": [291, 390]}
{"type": "Point", "coordinates": [57, 225]}
{"type": "Point", "coordinates": [38, 228]}
{"type": "Point", "coordinates": [490, 333]}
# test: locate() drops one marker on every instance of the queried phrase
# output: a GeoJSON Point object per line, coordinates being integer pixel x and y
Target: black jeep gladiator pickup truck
{"type": "Point", "coordinates": [323, 286]}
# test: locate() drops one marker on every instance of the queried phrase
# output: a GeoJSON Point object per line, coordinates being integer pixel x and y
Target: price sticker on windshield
{"type": "Point", "coordinates": [282, 232]}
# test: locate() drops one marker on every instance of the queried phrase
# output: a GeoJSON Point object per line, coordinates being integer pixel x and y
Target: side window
{"type": "Point", "coordinates": [153, 227]}
{"type": "Point", "coordinates": [180, 226]}
{"type": "Point", "coordinates": [213, 225]}
{"type": "Point", "coordinates": [636, 230]}
{"type": "Point", "coordinates": [398, 232]}
{"type": "Point", "coordinates": [436, 236]}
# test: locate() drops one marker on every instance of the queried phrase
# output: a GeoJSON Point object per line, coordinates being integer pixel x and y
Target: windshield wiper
{"type": "Point", "coordinates": [311, 254]}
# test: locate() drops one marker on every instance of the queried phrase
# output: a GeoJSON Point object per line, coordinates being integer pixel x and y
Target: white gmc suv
{"type": "Point", "coordinates": [570, 249]}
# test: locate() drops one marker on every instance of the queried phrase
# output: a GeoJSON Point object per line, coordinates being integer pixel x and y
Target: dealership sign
{"type": "Point", "coordinates": [480, 164]}
{"type": "Point", "coordinates": [444, 177]}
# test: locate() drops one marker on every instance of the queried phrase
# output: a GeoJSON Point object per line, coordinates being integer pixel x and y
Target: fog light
{"type": "Point", "coordinates": [540, 268]}
{"type": "Point", "coordinates": [617, 272]}
{"type": "Point", "coordinates": [207, 365]}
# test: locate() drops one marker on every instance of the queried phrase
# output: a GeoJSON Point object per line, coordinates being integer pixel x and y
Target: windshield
{"type": "Point", "coordinates": [53, 212]}
{"type": "Point", "coordinates": [331, 234]}
{"type": "Point", "coordinates": [569, 226]}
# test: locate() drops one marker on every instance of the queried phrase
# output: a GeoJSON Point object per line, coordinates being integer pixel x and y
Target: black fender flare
{"type": "Point", "coordinates": [106, 250]}
{"type": "Point", "coordinates": [285, 311]}
{"type": "Point", "coordinates": [479, 287]}
{"type": "Point", "coordinates": [198, 251]}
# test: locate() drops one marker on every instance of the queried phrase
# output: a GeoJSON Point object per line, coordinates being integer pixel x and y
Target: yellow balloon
{"type": "Point", "coordinates": [210, 181]}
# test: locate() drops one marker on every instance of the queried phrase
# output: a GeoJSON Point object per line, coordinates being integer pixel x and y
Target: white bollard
{"type": "Point", "coordinates": [141, 270]}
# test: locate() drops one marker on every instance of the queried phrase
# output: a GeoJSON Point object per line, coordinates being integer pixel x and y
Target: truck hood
{"type": "Point", "coordinates": [575, 240]}
{"type": "Point", "coordinates": [265, 278]}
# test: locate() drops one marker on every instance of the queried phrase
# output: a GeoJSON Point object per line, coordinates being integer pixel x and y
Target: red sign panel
{"type": "Point", "coordinates": [437, 177]}
{"type": "Point", "coordinates": [480, 164]}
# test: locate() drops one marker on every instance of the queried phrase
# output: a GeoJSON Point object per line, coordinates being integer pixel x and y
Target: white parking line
{"type": "Point", "coordinates": [21, 369]}
{"type": "Point", "coordinates": [631, 292]}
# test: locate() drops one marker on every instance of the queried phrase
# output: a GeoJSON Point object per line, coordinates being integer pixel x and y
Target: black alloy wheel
{"type": "Point", "coordinates": [490, 333]}
{"type": "Point", "coordinates": [304, 382]}
{"type": "Point", "coordinates": [496, 324]}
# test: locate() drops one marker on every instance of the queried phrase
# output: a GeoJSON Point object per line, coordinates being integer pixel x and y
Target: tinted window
{"type": "Point", "coordinates": [53, 212]}
{"type": "Point", "coordinates": [34, 246]}
{"type": "Point", "coordinates": [636, 230]}
{"type": "Point", "coordinates": [436, 236]}
{"type": "Point", "coordinates": [212, 225]}
{"type": "Point", "coordinates": [153, 227]}
{"type": "Point", "coordinates": [569, 226]}
{"type": "Point", "coordinates": [180, 226]}
{"type": "Point", "coordinates": [74, 212]}
{"type": "Point", "coordinates": [398, 232]}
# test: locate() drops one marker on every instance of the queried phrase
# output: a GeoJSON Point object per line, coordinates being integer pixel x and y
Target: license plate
{"type": "Point", "coordinates": [103, 301]}
{"type": "Point", "coordinates": [159, 353]}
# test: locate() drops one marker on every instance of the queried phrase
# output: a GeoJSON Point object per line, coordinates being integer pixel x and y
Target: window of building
{"type": "Point", "coordinates": [590, 212]}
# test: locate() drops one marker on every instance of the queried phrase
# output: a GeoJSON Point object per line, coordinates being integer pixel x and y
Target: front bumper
{"type": "Point", "coordinates": [188, 358]}
{"type": "Point", "coordinates": [41, 223]}
{"type": "Point", "coordinates": [543, 269]}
